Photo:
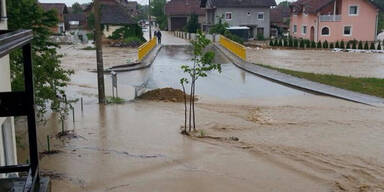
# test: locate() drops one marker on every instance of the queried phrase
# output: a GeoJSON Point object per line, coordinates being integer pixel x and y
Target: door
{"type": "Point", "coordinates": [178, 23]}
{"type": "Point", "coordinates": [312, 36]}
{"type": "Point", "coordinates": [260, 33]}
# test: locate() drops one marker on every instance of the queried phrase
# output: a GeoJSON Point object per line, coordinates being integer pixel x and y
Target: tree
{"type": "Point", "coordinates": [372, 47]}
{"type": "Point", "coordinates": [366, 47]}
{"type": "Point", "coordinates": [157, 9]}
{"type": "Point", "coordinates": [342, 46]}
{"type": "Point", "coordinates": [319, 45]}
{"type": "Point", "coordinates": [202, 64]}
{"type": "Point", "coordinates": [49, 77]}
{"type": "Point", "coordinates": [360, 45]}
{"type": "Point", "coordinates": [76, 8]}
{"type": "Point", "coordinates": [325, 44]}
{"type": "Point", "coordinates": [193, 24]}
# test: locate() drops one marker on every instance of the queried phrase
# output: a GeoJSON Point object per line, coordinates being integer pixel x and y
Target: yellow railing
{"type": "Point", "coordinates": [146, 48]}
{"type": "Point", "coordinates": [233, 47]}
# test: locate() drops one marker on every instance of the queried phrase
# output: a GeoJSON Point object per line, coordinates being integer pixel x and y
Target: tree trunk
{"type": "Point", "coordinates": [190, 108]}
{"type": "Point", "coordinates": [99, 54]}
{"type": "Point", "coordinates": [193, 106]}
{"type": "Point", "coordinates": [185, 109]}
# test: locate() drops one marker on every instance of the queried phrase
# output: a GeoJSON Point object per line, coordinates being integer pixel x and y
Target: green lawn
{"type": "Point", "coordinates": [370, 86]}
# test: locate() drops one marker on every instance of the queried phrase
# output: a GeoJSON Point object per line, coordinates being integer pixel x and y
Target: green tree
{"type": "Point", "coordinates": [157, 9]}
{"type": "Point", "coordinates": [360, 45]}
{"type": "Point", "coordinates": [193, 24]}
{"type": "Point", "coordinates": [342, 45]}
{"type": "Point", "coordinates": [325, 44]}
{"type": "Point", "coordinates": [49, 77]}
{"type": "Point", "coordinates": [202, 64]}
{"type": "Point", "coordinates": [76, 8]}
{"type": "Point", "coordinates": [319, 45]}
{"type": "Point", "coordinates": [372, 47]}
{"type": "Point", "coordinates": [366, 47]}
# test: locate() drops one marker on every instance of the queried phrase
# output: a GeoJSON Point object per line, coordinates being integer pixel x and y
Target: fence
{"type": "Point", "coordinates": [192, 36]}
{"type": "Point", "coordinates": [236, 48]}
{"type": "Point", "coordinates": [146, 48]}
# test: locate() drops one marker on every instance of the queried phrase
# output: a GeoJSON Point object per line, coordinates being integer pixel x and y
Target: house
{"type": "Point", "coordinates": [61, 9]}
{"type": "Point", "coordinates": [179, 12]}
{"type": "Point", "coordinates": [76, 21]}
{"type": "Point", "coordinates": [280, 16]}
{"type": "Point", "coordinates": [254, 14]}
{"type": "Point", "coordinates": [334, 20]}
{"type": "Point", "coordinates": [113, 15]}
{"type": "Point", "coordinates": [8, 155]}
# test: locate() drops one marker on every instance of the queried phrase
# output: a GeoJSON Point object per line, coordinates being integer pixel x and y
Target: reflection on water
{"type": "Point", "coordinates": [231, 83]}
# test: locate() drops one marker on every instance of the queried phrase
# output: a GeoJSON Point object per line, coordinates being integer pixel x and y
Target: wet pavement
{"type": "Point", "coordinates": [230, 84]}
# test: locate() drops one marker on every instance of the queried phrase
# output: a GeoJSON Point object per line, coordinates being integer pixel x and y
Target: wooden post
{"type": "Point", "coordinates": [99, 53]}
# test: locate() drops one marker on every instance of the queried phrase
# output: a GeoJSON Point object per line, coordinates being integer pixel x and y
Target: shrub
{"type": "Point", "coordinates": [90, 36]}
{"type": "Point", "coordinates": [302, 43]}
{"type": "Point", "coordinates": [280, 42]}
{"type": "Point", "coordinates": [313, 44]}
{"type": "Point", "coordinates": [133, 41]}
{"type": "Point", "coordinates": [366, 47]}
{"type": "Point", "coordinates": [271, 43]}
{"type": "Point", "coordinates": [307, 43]}
{"type": "Point", "coordinates": [325, 44]}
{"type": "Point", "coordinates": [319, 44]}
{"type": "Point", "coordinates": [379, 47]}
{"type": "Point", "coordinates": [348, 45]}
{"type": "Point", "coordinates": [342, 46]}
{"type": "Point", "coordinates": [233, 37]}
{"type": "Point", "coordinates": [260, 37]}
{"type": "Point", "coordinates": [372, 46]}
{"type": "Point", "coordinates": [128, 31]}
{"type": "Point", "coordinates": [337, 45]}
{"type": "Point", "coordinates": [331, 46]}
{"type": "Point", "coordinates": [290, 42]}
{"type": "Point", "coordinates": [295, 43]}
{"type": "Point", "coordinates": [354, 44]}
{"type": "Point", "coordinates": [276, 43]}
{"type": "Point", "coordinates": [360, 45]}
{"type": "Point", "coordinates": [285, 43]}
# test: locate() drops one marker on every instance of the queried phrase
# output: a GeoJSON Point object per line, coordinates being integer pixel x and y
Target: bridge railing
{"type": "Point", "coordinates": [146, 48]}
{"type": "Point", "coordinates": [236, 48]}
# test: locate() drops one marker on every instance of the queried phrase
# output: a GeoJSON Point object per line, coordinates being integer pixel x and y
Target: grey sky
{"type": "Point", "coordinates": [70, 2]}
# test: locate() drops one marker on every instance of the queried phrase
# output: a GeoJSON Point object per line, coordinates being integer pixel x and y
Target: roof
{"type": "Point", "coordinates": [59, 7]}
{"type": "Point", "coordinates": [279, 13]}
{"type": "Point", "coordinates": [115, 15]}
{"type": "Point", "coordinates": [313, 6]}
{"type": "Point", "coordinates": [237, 3]}
{"type": "Point", "coordinates": [183, 7]}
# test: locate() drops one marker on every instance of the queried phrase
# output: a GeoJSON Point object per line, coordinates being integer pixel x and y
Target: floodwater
{"type": "Point", "coordinates": [232, 83]}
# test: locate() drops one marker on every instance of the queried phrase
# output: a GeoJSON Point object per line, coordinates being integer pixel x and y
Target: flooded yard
{"type": "Point", "coordinates": [321, 61]}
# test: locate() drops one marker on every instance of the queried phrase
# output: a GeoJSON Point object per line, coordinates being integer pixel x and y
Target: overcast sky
{"type": "Point", "coordinates": [70, 2]}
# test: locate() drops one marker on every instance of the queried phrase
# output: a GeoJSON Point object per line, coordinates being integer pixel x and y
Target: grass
{"type": "Point", "coordinates": [370, 86]}
{"type": "Point", "coordinates": [114, 100]}
{"type": "Point", "coordinates": [89, 48]}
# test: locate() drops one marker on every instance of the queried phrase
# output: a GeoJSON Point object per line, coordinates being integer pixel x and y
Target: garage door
{"type": "Point", "coordinates": [178, 23]}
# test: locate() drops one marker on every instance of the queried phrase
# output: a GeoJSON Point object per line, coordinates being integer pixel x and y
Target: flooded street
{"type": "Point", "coordinates": [287, 140]}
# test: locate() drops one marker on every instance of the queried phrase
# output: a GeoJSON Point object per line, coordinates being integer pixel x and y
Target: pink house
{"type": "Point", "coordinates": [334, 20]}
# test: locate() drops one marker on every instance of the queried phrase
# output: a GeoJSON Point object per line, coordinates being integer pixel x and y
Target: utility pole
{"type": "Point", "coordinates": [99, 53]}
{"type": "Point", "coordinates": [149, 20]}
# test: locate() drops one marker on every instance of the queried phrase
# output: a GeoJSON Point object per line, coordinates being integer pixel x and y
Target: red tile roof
{"type": "Point", "coordinates": [183, 7]}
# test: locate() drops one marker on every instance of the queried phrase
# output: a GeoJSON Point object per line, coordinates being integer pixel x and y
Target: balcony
{"type": "Point", "coordinates": [330, 18]}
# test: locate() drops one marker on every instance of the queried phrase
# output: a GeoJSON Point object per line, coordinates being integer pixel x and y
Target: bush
{"type": "Point", "coordinates": [331, 46]}
{"type": "Point", "coordinates": [285, 43]}
{"type": "Point", "coordinates": [260, 37]}
{"type": "Point", "coordinates": [276, 43]}
{"type": "Point", "coordinates": [337, 45]}
{"type": "Point", "coordinates": [313, 44]}
{"type": "Point", "coordinates": [271, 43]}
{"type": "Point", "coordinates": [379, 47]}
{"type": "Point", "coordinates": [133, 41]}
{"type": "Point", "coordinates": [290, 42]}
{"type": "Point", "coordinates": [325, 44]}
{"type": "Point", "coordinates": [302, 43]}
{"type": "Point", "coordinates": [307, 43]}
{"type": "Point", "coordinates": [90, 36]}
{"type": "Point", "coordinates": [280, 42]}
{"type": "Point", "coordinates": [319, 44]}
{"type": "Point", "coordinates": [342, 46]}
{"type": "Point", "coordinates": [366, 47]}
{"type": "Point", "coordinates": [360, 45]}
{"type": "Point", "coordinates": [348, 45]}
{"type": "Point", "coordinates": [295, 43]}
{"type": "Point", "coordinates": [354, 44]}
{"type": "Point", "coordinates": [372, 46]}
{"type": "Point", "coordinates": [233, 37]}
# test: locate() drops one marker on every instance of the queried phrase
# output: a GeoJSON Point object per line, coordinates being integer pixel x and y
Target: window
{"type": "Point", "coordinates": [260, 16]}
{"type": "Point", "coordinates": [294, 28]}
{"type": "Point", "coordinates": [304, 30]}
{"type": "Point", "coordinates": [353, 10]}
{"type": "Point", "coordinates": [228, 16]}
{"type": "Point", "coordinates": [325, 31]}
{"type": "Point", "coordinates": [347, 30]}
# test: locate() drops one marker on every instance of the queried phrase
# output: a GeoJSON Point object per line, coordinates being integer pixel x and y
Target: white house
{"type": "Point", "coordinates": [8, 155]}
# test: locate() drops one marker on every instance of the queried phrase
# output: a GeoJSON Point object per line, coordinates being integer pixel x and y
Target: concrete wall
{"type": "Point", "coordinates": [240, 17]}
